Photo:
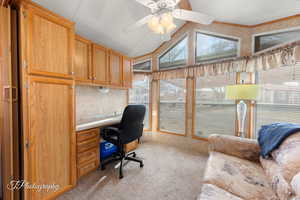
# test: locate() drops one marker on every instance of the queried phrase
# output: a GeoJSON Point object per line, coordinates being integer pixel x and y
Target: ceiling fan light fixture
{"type": "Point", "coordinates": [171, 27]}
{"type": "Point", "coordinates": [159, 29]}
{"type": "Point", "coordinates": [153, 23]}
{"type": "Point", "coordinates": [166, 19]}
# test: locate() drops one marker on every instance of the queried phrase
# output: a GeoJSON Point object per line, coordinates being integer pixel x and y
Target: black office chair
{"type": "Point", "coordinates": [129, 130]}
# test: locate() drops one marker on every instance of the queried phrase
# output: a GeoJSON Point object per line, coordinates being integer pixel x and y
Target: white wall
{"type": "Point", "coordinates": [92, 103]}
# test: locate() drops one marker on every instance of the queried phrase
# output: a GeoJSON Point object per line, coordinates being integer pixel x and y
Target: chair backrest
{"type": "Point", "coordinates": [132, 123]}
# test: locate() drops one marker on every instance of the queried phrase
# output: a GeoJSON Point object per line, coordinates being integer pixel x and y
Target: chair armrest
{"type": "Point", "coordinates": [108, 131]}
{"type": "Point", "coordinates": [235, 146]}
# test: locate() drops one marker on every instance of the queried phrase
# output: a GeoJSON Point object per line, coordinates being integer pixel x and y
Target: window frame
{"type": "Point", "coordinates": [164, 52]}
{"type": "Point", "coordinates": [229, 37]}
{"type": "Point", "coordinates": [150, 104]}
{"type": "Point", "coordinates": [194, 112]}
{"type": "Point", "coordinates": [297, 28]}
{"type": "Point", "coordinates": [255, 117]}
{"type": "Point", "coordinates": [143, 61]}
{"type": "Point", "coordinates": [185, 112]}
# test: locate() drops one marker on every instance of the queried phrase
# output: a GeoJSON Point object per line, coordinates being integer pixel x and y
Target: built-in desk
{"type": "Point", "coordinates": [88, 138]}
{"type": "Point", "coordinates": [97, 122]}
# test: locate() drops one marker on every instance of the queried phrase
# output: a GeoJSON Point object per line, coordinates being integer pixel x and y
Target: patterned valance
{"type": "Point", "coordinates": [287, 55]}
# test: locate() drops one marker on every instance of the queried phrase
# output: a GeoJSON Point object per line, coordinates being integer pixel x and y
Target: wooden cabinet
{"type": "Point", "coordinates": [46, 66]}
{"type": "Point", "coordinates": [115, 69]}
{"type": "Point", "coordinates": [131, 146]}
{"type": "Point", "coordinates": [83, 60]}
{"type": "Point", "coordinates": [50, 139]}
{"type": "Point", "coordinates": [96, 64]}
{"type": "Point", "coordinates": [127, 72]}
{"type": "Point", "coordinates": [88, 154]}
{"type": "Point", "coordinates": [49, 42]}
{"type": "Point", "coordinates": [100, 65]}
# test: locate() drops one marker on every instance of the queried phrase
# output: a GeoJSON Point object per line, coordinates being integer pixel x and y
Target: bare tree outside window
{"type": "Point", "coordinates": [211, 47]}
{"type": "Point", "coordinates": [139, 94]}
{"type": "Point", "coordinates": [214, 114]}
{"type": "Point", "coordinates": [172, 105]}
{"type": "Point", "coordinates": [279, 99]}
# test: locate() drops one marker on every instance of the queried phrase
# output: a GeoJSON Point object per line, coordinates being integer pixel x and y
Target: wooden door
{"type": "Point", "coordinates": [50, 141]}
{"type": "Point", "coordinates": [127, 72]}
{"type": "Point", "coordinates": [115, 67]}
{"type": "Point", "coordinates": [82, 60]}
{"type": "Point", "coordinates": [8, 103]}
{"type": "Point", "coordinates": [100, 65]}
{"type": "Point", "coordinates": [49, 42]}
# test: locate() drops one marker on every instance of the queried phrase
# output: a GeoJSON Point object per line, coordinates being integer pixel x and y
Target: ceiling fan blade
{"type": "Point", "coordinates": [192, 16]}
{"type": "Point", "coordinates": [148, 3]}
{"type": "Point", "coordinates": [139, 23]}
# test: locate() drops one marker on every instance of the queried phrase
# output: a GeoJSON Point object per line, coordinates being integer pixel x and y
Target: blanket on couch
{"type": "Point", "coordinates": [272, 135]}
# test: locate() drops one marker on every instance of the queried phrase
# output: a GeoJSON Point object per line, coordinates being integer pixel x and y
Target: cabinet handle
{"type": "Point", "coordinates": [72, 73]}
{"type": "Point", "coordinates": [10, 93]}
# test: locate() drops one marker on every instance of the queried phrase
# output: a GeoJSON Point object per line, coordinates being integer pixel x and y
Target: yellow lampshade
{"type": "Point", "coordinates": [242, 92]}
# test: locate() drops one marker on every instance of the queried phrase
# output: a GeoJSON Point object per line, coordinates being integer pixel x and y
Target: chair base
{"type": "Point", "coordinates": [119, 157]}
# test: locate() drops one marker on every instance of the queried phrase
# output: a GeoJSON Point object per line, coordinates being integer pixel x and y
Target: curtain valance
{"type": "Point", "coordinates": [286, 55]}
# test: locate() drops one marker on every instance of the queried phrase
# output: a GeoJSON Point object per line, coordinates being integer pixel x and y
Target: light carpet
{"type": "Point", "coordinates": [169, 173]}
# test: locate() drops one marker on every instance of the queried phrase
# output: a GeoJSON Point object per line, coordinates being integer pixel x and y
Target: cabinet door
{"type": "Point", "coordinates": [127, 72]}
{"type": "Point", "coordinates": [115, 67]}
{"type": "Point", "coordinates": [100, 65]}
{"type": "Point", "coordinates": [50, 141]}
{"type": "Point", "coordinates": [49, 42]}
{"type": "Point", "coordinates": [82, 60]}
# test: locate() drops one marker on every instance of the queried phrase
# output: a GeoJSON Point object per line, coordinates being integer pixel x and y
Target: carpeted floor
{"type": "Point", "coordinates": [169, 173]}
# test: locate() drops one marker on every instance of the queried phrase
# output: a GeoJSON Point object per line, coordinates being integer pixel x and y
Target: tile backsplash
{"type": "Point", "coordinates": [91, 102]}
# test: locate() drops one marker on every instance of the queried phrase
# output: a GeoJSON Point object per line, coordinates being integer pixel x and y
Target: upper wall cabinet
{"type": "Point", "coordinates": [115, 67]}
{"type": "Point", "coordinates": [127, 72]}
{"type": "Point", "coordinates": [83, 60]}
{"type": "Point", "coordinates": [100, 65]}
{"type": "Point", "coordinates": [49, 42]}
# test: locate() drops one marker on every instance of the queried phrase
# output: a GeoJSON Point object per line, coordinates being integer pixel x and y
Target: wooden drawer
{"type": "Point", "coordinates": [88, 167]}
{"type": "Point", "coordinates": [131, 146]}
{"type": "Point", "coordinates": [88, 134]}
{"type": "Point", "coordinates": [90, 155]}
{"type": "Point", "coordinates": [87, 145]}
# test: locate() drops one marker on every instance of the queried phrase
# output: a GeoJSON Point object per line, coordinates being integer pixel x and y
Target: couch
{"type": "Point", "coordinates": [235, 170]}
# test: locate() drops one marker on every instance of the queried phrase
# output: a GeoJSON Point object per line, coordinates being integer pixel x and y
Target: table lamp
{"type": "Point", "coordinates": [242, 92]}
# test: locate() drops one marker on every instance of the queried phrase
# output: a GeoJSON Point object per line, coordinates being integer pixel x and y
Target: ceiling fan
{"type": "Point", "coordinates": [160, 20]}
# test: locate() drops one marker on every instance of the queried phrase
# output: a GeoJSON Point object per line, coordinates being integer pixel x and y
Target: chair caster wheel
{"type": "Point", "coordinates": [120, 177]}
{"type": "Point", "coordinates": [134, 155]}
{"type": "Point", "coordinates": [102, 168]}
{"type": "Point", "coordinates": [141, 165]}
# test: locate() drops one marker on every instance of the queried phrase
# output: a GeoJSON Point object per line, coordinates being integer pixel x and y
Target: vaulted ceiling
{"type": "Point", "coordinates": [105, 21]}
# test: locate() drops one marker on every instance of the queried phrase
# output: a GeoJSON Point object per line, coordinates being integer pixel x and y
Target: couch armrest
{"type": "Point", "coordinates": [235, 146]}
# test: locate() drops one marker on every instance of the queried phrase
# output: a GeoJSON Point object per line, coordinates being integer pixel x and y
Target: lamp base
{"type": "Point", "coordinates": [241, 116]}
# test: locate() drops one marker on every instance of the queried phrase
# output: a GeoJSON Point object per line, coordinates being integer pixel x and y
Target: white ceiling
{"type": "Point", "coordinates": [104, 21]}
{"type": "Point", "coordinates": [247, 12]}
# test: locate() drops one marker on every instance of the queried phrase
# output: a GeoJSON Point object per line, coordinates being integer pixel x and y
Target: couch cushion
{"type": "Point", "coordinates": [287, 156]}
{"type": "Point", "coordinates": [240, 177]}
{"type": "Point", "coordinates": [279, 184]}
{"type": "Point", "coordinates": [212, 192]}
{"type": "Point", "coordinates": [296, 185]}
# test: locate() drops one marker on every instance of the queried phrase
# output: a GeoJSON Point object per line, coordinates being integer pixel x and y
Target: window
{"type": "Point", "coordinates": [214, 114]}
{"type": "Point", "coordinates": [279, 96]}
{"type": "Point", "coordinates": [172, 106]}
{"type": "Point", "coordinates": [266, 41]}
{"type": "Point", "coordinates": [176, 56]}
{"type": "Point", "coordinates": [140, 94]}
{"type": "Point", "coordinates": [211, 47]}
{"type": "Point", "coordinates": [142, 66]}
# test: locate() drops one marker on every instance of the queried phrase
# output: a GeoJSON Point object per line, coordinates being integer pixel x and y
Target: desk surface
{"type": "Point", "coordinates": [93, 123]}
